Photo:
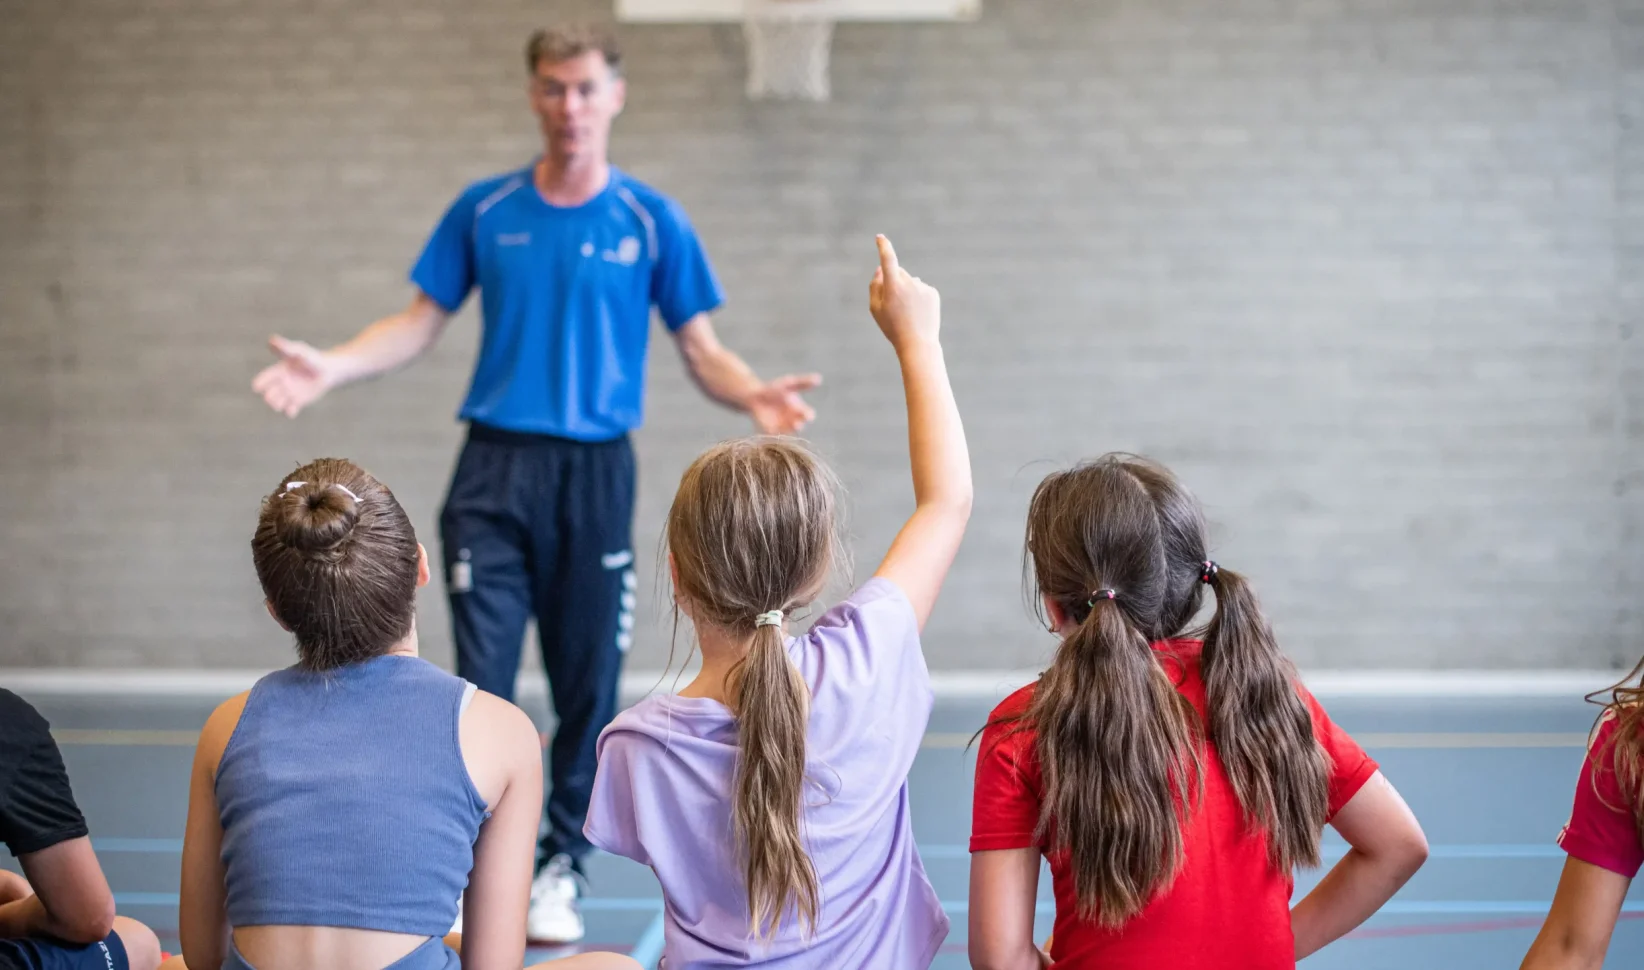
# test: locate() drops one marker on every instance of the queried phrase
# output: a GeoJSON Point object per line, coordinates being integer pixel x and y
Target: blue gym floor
{"type": "Point", "coordinates": [1491, 781]}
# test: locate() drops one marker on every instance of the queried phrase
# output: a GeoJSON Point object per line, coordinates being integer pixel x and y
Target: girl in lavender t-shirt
{"type": "Point", "coordinates": [770, 797]}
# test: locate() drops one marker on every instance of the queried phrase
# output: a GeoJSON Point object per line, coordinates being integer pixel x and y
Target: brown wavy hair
{"type": "Point", "coordinates": [1119, 747]}
{"type": "Point", "coordinates": [753, 529]}
{"type": "Point", "coordinates": [337, 559]}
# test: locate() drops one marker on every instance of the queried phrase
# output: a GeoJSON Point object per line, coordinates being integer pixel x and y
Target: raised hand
{"type": "Point", "coordinates": [910, 314]}
{"type": "Point", "coordinates": [905, 307]}
{"type": "Point", "coordinates": [778, 408]}
{"type": "Point", "coordinates": [300, 377]}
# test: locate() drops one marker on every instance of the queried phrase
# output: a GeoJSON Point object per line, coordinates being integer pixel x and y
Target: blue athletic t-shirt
{"type": "Point", "coordinates": [566, 297]}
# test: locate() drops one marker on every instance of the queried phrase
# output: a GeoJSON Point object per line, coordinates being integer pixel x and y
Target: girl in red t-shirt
{"type": "Point", "coordinates": [1172, 783]}
{"type": "Point", "coordinates": [1604, 838]}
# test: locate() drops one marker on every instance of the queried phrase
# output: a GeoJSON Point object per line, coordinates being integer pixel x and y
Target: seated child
{"type": "Point", "coordinates": [61, 916]}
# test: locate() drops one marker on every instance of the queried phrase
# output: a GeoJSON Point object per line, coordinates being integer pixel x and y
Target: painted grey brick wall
{"type": "Point", "coordinates": [1366, 272]}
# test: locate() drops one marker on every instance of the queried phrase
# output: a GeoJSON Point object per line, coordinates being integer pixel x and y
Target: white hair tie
{"type": "Point", "coordinates": [289, 486]}
{"type": "Point", "coordinates": [773, 618]}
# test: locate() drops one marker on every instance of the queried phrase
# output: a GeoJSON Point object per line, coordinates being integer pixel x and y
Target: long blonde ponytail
{"type": "Point", "coordinates": [752, 530]}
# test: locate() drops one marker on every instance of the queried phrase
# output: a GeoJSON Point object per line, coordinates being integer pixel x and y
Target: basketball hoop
{"type": "Point", "coordinates": [788, 46]}
{"type": "Point", "coordinates": [789, 41]}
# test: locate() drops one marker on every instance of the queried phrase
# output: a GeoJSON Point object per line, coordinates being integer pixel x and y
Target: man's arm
{"type": "Point", "coordinates": [776, 406]}
{"type": "Point", "coordinates": [303, 374]}
{"type": "Point", "coordinates": [71, 899]}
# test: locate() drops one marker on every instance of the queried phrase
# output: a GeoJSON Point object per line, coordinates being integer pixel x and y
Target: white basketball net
{"type": "Point", "coordinates": [788, 46]}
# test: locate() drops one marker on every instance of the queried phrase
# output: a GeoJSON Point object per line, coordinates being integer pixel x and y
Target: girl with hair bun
{"type": "Point", "coordinates": [340, 808]}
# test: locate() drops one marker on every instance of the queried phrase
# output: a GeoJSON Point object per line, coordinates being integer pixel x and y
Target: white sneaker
{"type": "Point", "coordinates": [554, 918]}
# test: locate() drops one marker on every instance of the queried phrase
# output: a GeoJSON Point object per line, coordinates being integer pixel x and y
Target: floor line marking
{"type": "Point", "coordinates": [1457, 929]}
{"type": "Point", "coordinates": [145, 899]}
{"type": "Point", "coordinates": [1480, 851]}
{"type": "Point", "coordinates": [1384, 740]}
{"type": "Point", "coordinates": [122, 737]}
{"type": "Point", "coordinates": [1468, 739]}
{"type": "Point", "coordinates": [958, 850]}
{"type": "Point", "coordinates": [1396, 907]}
{"type": "Point", "coordinates": [621, 904]}
{"type": "Point", "coordinates": [609, 904]}
{"type": "Point", "coordinates": [1408, 929]}
{"type": "Point", "coordinates": [137, 845]}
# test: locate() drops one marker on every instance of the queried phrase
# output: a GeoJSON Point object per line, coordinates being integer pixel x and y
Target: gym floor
{"type": "Point", "coordinates": [1490, 778]}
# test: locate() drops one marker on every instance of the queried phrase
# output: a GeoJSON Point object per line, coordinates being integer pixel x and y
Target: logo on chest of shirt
{"type": "Point", "coordinates": [513, 239]}
{"type": "Point", "coordinates": [626, 253]}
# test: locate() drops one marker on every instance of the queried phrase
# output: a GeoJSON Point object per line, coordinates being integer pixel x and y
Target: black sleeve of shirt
{"type": "Point", "coordinates": [37, 809]}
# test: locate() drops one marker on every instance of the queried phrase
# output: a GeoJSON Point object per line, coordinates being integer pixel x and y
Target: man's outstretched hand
{"type": "Point", "coordinates": [300, 377]}
{"type": "Point", "coordinates": [777, 406]}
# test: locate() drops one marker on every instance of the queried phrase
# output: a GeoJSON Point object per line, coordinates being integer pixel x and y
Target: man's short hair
{"type": "Point", "coordinates": [557, 44]}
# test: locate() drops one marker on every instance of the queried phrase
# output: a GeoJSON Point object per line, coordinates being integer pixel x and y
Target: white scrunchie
{"type": "Point", "coordinates": [773, 618]}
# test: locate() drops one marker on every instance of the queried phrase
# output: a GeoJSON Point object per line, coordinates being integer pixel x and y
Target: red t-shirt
{"type": "Point", "coordinates": [1227, 909]}
{"type": "Point", "coordinates": [1603, 829]}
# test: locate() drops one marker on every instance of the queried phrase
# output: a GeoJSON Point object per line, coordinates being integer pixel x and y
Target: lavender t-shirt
{"type": "Point", "coordinates": [662, 798]}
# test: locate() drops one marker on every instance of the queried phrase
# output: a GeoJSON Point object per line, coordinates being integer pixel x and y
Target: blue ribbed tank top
{"type": "Point", "coordinates": [345, 800]}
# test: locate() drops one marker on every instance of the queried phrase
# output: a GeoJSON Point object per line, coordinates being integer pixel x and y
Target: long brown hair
{"type": "Point", "coordinates": [1119, 545]}
{"type": "Point", "coordinates": [1624, 752]}
{"type": "Point", "coordinates": [753, 529]}
{"type": "Point", "coordinates": [337, 559]}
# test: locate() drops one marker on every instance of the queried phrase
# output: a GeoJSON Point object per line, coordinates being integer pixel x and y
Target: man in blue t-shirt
{"type": "Point", "coordinates": [569, 255]}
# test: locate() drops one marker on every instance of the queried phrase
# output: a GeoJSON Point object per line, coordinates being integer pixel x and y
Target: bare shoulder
{"type": "Point", "coordinates": [500, 725]}
{"type": "Point", "coordinates": [219, 729]}
{"type": "Point", "coordinates": [500, 746]}
{"type": "Point", "coordinates": [222, 722]}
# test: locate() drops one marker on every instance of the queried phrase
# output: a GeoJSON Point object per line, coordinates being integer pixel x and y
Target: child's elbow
{"type": "Point", "coordinates": [87, 926]}
{"type": "Point", "coordinates": [1561, 946]}
{"type": "Point", "coordinates": [957, 505]}
{"type": "Point", "coordinates": [1411, 853]}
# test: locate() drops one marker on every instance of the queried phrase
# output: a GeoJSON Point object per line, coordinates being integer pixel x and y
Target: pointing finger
{"type": "Point", "coordinates": [887, 257]}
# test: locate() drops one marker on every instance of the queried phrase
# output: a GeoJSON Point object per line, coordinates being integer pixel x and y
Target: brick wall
{"type": "Point", "coordinates": [1364, 271]}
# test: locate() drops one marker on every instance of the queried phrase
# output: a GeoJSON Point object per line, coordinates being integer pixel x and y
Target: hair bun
{"type": "Point", "coordinates": [314, 518]}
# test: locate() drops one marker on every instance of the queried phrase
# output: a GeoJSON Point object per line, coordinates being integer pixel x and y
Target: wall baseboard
{"type": "Point", "coordinates": [948, 685]}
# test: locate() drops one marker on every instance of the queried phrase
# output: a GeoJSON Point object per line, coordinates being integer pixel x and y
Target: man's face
{"type": "Point", "coordinates": [576, 100]}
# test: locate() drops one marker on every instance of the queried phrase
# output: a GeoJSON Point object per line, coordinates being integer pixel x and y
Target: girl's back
{"type": "Point", "coordinates": [664, 797]}
{"type": "Point", "coordinates": [1228, 907]}
{"type": "Point", "coordinates": [345, 800]}
{"type": "Point", "coordinates": [1174, 784]}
